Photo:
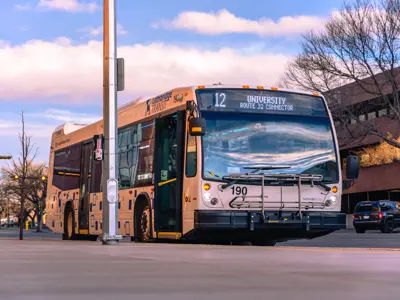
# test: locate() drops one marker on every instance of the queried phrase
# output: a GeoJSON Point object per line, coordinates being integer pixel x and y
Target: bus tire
{"type": "Point", "coordinates": [69, 221]}
{"type": "Point", "coordinates": [143, 224]}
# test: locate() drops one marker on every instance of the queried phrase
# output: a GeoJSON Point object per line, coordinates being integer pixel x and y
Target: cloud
{"type": "Point", "coordinates": [36, 129]}
{"type": "Point", "coordinates": [68, 5]}
{"type": "Point", "coordinates": [72, 73]}
{"type": "Point", "coordinates": [94, 32]}
{"type": "Point", "coordinates": [39, 131]}
{"type": "Point", "coordinates": [66, 116]}
{"type": "Point", "coordinates": [224, 22]}
{"type": "Point", "coordinates": [38, 125]}
{"type": "Point", "coordinates": [22, 7]}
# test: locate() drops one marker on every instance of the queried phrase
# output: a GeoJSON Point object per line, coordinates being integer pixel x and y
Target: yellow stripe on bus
{"type": "Point", "coordinates": [170, 235]}
{"type": "Point", "coordinates": [166, 182]}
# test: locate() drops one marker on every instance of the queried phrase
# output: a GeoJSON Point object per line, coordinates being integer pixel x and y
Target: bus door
{"type": "Point", "coordinates": [83, 213]}
{"type": "Point", "coordinates": [168, 174]}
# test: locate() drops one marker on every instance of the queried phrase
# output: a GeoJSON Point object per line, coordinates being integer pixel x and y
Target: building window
{"type": "Point", "coordinates": [371, 115]}
{"type": "Point", "coordinates": [382, 112]}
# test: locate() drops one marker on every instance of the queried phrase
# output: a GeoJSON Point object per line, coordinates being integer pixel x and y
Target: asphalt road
{"type": "Point", "coordinates": [343, 238]}
{"type": "Point", "coordinates": [350, 239]}
{"type": "Point", "coordinates": [49, 269]}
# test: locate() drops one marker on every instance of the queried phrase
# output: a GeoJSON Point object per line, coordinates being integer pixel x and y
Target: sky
{"type": "Point", "coordinates": [51, 53]}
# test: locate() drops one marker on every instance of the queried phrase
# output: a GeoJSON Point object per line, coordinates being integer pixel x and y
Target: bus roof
{"type": "Point", "coordinates": [260, 87]}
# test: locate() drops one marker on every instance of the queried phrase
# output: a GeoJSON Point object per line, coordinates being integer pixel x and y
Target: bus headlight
{"type": "Point", "coordinates": [331, 202]}
{"type": "Point", "coordinates": [207, 197]}
{"type": "Point", "coordinates": [210, 201]}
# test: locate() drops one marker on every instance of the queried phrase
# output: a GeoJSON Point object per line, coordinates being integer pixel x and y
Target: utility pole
{"type": "Point", "coordinates": [110, 184]}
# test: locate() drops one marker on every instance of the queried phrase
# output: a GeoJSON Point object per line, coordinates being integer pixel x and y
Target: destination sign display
{"type": "Point", "coordinates": [260, 101]}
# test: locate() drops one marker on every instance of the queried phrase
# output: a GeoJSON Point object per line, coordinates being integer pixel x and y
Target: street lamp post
{"type": "Point", "coordinates": [110, 184]}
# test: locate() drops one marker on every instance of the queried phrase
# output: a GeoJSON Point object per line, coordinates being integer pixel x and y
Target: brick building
{"type": "Point", "coordinates": [375, 182]}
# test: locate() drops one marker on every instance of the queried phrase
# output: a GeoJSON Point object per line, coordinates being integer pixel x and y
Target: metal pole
{"type": "Point", "coordinates": [110, 185]}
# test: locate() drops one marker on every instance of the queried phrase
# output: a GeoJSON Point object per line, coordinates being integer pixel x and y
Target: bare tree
{"type": "Point", "coordinates": [355, 56]}
{"type": "Point", "coordinates": [3, 202]}
{"type": "Point", "coordinates": [36, 193]}
{"type": "Point", "coordinates": [17, 176]}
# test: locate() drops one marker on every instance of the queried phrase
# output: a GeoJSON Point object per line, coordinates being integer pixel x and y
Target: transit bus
{"type": "Point", "coordinates": [214, 163]}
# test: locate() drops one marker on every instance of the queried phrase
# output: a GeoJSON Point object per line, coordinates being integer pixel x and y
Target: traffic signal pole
{"type": "Point", "coordinates": [110, 184]}
{"type": "Point", "coordinates": [5, 157]}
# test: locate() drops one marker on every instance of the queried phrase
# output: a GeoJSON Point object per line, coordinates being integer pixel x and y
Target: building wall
{"type": "Point", "coordinates": [374, 183]}
{"type": "Point", "coordinates": [346, 134]}
{"type": "Point", "coordinates": [376, 178]}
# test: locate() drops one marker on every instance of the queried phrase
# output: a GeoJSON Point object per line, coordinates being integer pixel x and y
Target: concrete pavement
{"type": "Point", "coordinates": [49, 269]}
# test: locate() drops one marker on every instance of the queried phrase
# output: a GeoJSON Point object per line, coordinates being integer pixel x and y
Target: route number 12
{"type": "Point", "coordinates": [220, 99]}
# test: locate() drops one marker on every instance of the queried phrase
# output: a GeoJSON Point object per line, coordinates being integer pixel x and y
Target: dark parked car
{"type": "Point", "coordinates": [383, 215]}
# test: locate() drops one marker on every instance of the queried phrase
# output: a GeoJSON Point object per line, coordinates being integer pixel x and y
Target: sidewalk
{"type": "Point", "coordinates": [13, 232]}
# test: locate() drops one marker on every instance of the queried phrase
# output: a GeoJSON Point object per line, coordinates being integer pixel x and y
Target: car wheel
{"type": "Point", "coordinates": [388, 226]}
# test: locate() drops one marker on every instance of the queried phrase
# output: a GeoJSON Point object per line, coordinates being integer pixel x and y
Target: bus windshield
{"type": "Point", "coordinates": [234, 141]}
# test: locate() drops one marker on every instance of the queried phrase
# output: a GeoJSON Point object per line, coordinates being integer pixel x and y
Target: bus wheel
{"type": "Point", "coordinates": [144, 224]}
{"type": "Point", "coordinates": [69, 224]}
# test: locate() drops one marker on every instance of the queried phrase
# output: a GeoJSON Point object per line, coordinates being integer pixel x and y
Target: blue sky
{"type": "Point", "coordinates": [50, 53]}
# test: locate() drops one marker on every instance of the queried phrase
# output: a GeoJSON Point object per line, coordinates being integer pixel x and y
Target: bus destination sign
{"type": "Point", "coordinates": [266, 102]}
{"type": "Point", "coordinates": [260, 101]}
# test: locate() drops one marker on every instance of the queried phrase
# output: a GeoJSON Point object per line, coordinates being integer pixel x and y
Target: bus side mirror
{"type": "Point", "coordinates": [352, 167]}
{"type": "Point", "coordinates": [197, 127]}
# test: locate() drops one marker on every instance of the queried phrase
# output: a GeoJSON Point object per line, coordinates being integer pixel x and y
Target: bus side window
{"type": "Point", "coordinates": [191, 156]}
{"type": "Point", "coordinates": [97, 171]}
{"type": "Point", "coordinates": [58, 166]}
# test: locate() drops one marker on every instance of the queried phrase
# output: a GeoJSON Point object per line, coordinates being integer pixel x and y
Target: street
{"type": "Point", "coordinates": [50, 269]}
{"type": "Point", "coordinates": [336, 266]}
{"type": "Point", "coordinates": [342, 238]}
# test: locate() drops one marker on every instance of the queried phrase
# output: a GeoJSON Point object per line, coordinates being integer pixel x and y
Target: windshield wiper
{"type": "Point", "coordinates": [256, 169]}
{"type": "Point", "coordinates": [265, 168]}
{"type": "Point", "coordinates": [323, 185]}
{"type": "Point", "coordinates": [319, 182]}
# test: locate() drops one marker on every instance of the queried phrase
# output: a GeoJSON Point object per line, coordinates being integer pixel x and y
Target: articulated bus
{"type": "Point", "coordinates": [214, 163]}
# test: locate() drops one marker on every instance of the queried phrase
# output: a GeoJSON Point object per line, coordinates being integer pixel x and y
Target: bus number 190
{"type": "Point", "coordinates": [239, 190]}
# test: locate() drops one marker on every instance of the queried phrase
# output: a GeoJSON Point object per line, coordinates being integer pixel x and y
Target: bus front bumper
{"type": "Point", "coordinates": [280, 220]}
